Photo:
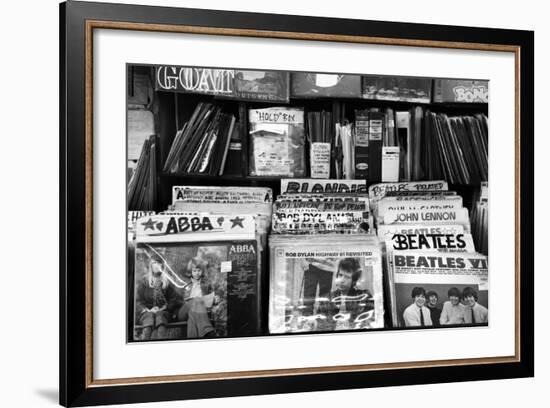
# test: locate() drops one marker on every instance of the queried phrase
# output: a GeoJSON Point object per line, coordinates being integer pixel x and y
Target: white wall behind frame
{"type": "Point", "coordinates": [29, 355]}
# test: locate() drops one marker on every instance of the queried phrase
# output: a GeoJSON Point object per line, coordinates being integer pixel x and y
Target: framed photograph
{"type": "Point", "coordinates": [257, 204]}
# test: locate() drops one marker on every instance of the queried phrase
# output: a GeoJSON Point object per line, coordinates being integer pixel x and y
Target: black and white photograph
{"type": "Point", "coordinates": [322, 165]}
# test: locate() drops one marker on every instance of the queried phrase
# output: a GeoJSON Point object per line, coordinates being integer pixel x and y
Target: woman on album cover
{"type": "Point", "coordinates": [196, 295]}
{"type": "Point", "coordinates": [156, 300]}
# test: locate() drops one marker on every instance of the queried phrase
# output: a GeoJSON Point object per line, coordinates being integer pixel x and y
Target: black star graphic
{"type": "Point", "coordinates": [149, 224]}
{"type": "Point", "coordinates": [237, 221]}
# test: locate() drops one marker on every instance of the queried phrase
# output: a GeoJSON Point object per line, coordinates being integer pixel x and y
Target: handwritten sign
{"type": "Point", "coordinates": [378, 191]}
{"type": "Point", "coordinates": [320, 160]}
{"type": "Point", "coordinates": [277, 116]}
{"type": "Point", "coordinates": [320, 186]}
{"type": "Point", "coordinates": [186, 227]}
{"type": "Point", "coordinates": [227, 195]}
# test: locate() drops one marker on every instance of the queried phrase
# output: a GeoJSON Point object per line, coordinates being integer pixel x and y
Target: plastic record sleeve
{"type": "Point", "coordinates": [320, 283]}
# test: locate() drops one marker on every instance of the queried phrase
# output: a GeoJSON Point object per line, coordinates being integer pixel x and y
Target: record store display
{"type": "Point", "coordinates": [275, 202]}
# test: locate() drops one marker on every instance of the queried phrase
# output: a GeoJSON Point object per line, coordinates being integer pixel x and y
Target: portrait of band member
{"type": "Point", "coordinates": [196, 295]}
{"type": "Point", "coordinates": [417, 314]}
{"type": "Point", "coordinates": [460, 308]}
{"type": "Point", "coordinates": [475, 313]}
{"type": "Point", "coordinates": [347, 306]}
{"type": "Point", "coordinates": [156, 301]}
{"type": "Point", "coordinates": [435, 311]}
{"type": "Point", "coordinates": [166, 311]}
{"type": "Point", "coordinates": [453, 311]}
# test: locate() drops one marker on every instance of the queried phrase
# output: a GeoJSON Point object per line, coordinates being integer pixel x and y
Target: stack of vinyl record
{"type": "Point", "coordinates": [390, 146]}
{"type": "Point", "coordinates": [201, 145]}
{"type": "Point", "coordinates": [323, 282]}
{"type": "Point", "coordinates": [220, 201]}
{"type": "Point", "coordinates": [432, 267]}
{"type": "Point", "coordinates": [318, 213]}
{"type": "Point", "coordinates": [208, 265]}
{"type": "Point", "coordinates": [209, 245]}
{"type": "Point", "coordinates": [461, 143]}
{"type": "Point", "coordinates": [382, 145]}
{"type": "Point", "coordinates": [479, 217]}
{"type": "Point", "coordinates": [143, 184]}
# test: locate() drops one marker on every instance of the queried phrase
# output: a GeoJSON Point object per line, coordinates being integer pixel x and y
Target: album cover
{"type": "Point", "coordinates": [321, 284]}
{"type": "Point", "coordinates": [439, 289]}
{"type": "Point", "coordinates": [195, 276]}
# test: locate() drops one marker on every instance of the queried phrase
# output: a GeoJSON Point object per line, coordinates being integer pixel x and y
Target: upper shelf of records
{"type": "Point", "coordinates": [252, 128]}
